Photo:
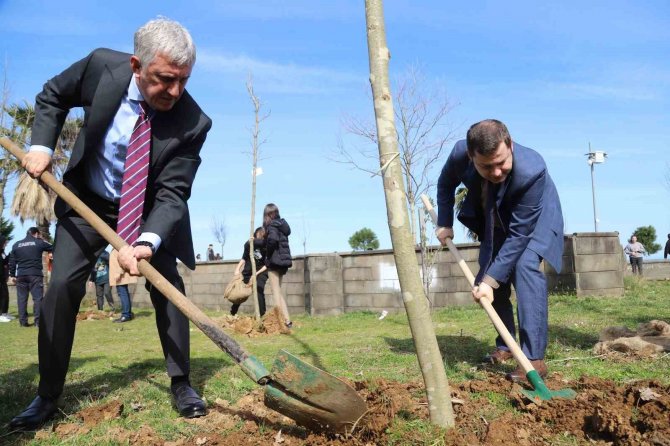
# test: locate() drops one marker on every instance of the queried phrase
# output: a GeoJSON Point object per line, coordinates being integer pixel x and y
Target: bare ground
{"type": "Point", "coordinates": [603, 413]}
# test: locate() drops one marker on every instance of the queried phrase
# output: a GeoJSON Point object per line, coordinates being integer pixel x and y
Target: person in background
{"type": "Point", "coordinates": [136, 109]}
{"type": "Point", "coordinates": [100, 279]}
{"type": "Point", "coordinates": [27, 271]}
{"type": "Point", "coordinates": [666, 251]}
{"type": "Point", "coordinates": [4, 277]}
{"type": "Point", "coordinates": [635, 250]}
{"type": "Point", "coordinates": [126, 304]}
{"type": "Point", "coordinates": [277, 255]}
{"type": "Point", "coordinates": [210, 253]}
{"type": "Point", "coordinates": [244, 268]}
{"type": "Point", "coordinates": [513, 207]}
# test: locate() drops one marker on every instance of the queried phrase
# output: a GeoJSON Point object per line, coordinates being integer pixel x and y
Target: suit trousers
{"type": "Point", "coordinates": [76, 249]}
{"type": "Point", "coordinates": [530, 285]}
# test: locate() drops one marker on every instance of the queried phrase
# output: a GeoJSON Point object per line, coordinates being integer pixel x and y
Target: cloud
{"type": "Point", "coordinates": [277, 77]}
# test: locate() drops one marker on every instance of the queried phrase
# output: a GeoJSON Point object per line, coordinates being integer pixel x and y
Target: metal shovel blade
{"type": "Point", "coordinates": [541, 392]}
{"type": "Point", "coordinates": [313, 398]}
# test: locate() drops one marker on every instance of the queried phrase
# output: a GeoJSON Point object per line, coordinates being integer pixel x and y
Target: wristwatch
{"type": "Point", "coordinates": [145, 243]}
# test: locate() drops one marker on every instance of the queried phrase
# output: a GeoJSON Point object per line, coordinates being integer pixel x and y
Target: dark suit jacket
{"type": "Point", "coordinates": [527, 205]}
{"type": "Point", "coordinates": [98, 83]}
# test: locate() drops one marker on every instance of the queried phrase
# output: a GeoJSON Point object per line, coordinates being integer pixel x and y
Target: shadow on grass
{"type": "Point", "coordinates": [17, 388]}
{"type": "Point", "coordinates": [452, 348]}
{"type": "Point", "coordinates": [583, 339]}
{"type": "Point", "coordinates": [309, 351]}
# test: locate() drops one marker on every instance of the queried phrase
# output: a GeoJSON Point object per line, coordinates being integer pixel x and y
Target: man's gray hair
{"type": "Point", "coordinates": [167, 37]}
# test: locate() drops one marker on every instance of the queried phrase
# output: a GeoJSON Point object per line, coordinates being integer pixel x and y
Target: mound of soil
{"type": "Point", "coordinates": [95, 315]}
{"type": "Point", "coordinates": [272, 323]}
{"type": "Point", "coordinates": [602, 413]}
{"type": "Point", "coordinates": [650, 338]}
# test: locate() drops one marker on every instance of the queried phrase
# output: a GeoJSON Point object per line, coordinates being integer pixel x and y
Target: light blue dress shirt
{"type": "Point", "coordinates": [104, 173]}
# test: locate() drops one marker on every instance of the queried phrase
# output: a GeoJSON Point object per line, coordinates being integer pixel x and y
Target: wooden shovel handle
{"type": "Point", "coordinates": [193, 313]}
{"type": "Point", "coordinates": [490, 311]}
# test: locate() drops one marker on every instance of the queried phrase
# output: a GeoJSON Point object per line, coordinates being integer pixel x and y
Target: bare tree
{"type": "Point", "coordinates": [256, 143]}
{"type": "Point", "coordinates": [220, 231]}
{"type": "Point", "coordinates": [305, 236]}
{"type": "Point", "coordinates": [428, 252]}
{"type": "Point", "coordinates": [416, 306]}
{"type": "Point", "coordinates": [423, 133]}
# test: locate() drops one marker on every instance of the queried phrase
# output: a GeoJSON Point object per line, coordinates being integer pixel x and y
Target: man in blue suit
{"type": "Point", "coordinates": [513, 207]}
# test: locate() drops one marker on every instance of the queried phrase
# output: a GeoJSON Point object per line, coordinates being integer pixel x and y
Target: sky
{"type": "Point", "coordinates": [560, 75]}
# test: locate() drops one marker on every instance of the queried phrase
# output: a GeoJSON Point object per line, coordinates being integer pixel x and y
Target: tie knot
{"type": "Point", "coordinates": [144, 108]}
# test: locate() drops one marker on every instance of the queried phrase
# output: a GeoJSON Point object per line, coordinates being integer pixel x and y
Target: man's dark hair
{"type": "Point", "coordinates": [32, 231]}
{"type": "Point", "coordinates": [485, 136]}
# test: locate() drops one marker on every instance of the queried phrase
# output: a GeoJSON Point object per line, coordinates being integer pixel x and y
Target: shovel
{"type": "Point", "coordinates": [313, 398]}
{"type": "Point", "coordinates": [541, 391]}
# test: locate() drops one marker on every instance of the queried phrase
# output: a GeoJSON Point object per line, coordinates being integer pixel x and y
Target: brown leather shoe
{"type": "Point", "coordinates": [498, 356]}
{"type": "Point", "coordinates": [519, 375]}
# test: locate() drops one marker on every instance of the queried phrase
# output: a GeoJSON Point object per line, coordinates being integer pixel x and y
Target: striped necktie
{"type": "Point", "coordinates": [135, 173]}
{"type": "Point", "coordinates": [486, 246]}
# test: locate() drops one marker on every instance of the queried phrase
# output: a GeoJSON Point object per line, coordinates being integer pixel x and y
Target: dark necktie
{"type": "Point", "coordinates": [135, 173]}
{"type": "Point", "coordinates": [486, 245]}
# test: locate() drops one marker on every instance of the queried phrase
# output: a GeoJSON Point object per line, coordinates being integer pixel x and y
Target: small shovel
{"type": "Point", "coordinates": [541, 391]}
{"type": "Point", "coordinates": [308, 395]}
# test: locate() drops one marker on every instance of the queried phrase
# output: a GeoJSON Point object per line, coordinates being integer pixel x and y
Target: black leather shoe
{"type": "Point", "coordinates": [35, 415]}
{"type": "Point", "coordinates": [124, 319]}
{"type": "Point", "coordinates": [188, 402]}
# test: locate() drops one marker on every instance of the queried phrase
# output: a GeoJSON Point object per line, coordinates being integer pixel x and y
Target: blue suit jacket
{"type": "Point", "coordinates": [527, 205]}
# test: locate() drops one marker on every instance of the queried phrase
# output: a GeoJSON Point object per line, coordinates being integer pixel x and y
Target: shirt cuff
{"type": "Point", "coordinates": [38, 148]}
{"type": "Point", "coordinates": [490, 281]}
{"type": "Point", "coordinates": [150, 237]}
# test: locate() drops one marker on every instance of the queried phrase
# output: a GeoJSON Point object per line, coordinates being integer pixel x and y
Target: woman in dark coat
{"type": "Point", "coordinates": [277, 254]}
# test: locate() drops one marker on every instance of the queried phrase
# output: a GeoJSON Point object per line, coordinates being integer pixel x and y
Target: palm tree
{"type": "Point", "coordinates": [17, 129]}
{"type": "Point", "coordinates": [31, 200]}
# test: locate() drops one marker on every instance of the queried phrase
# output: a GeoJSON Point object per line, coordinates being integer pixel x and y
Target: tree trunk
{"type": "Point", "coordinates": [254, 155]}
{"type": "Point", "coordinates": [416, 304]}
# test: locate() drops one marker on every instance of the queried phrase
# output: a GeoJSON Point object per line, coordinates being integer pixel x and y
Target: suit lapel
{"type": "Point", "coordinates": [113, 85]}
{"type": "Point", "coordinates": [503, 187]}
{"type": "Point", "coordinates": [162, 127]}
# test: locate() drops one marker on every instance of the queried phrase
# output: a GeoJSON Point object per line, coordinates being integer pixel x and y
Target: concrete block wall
{"type": "Point", "coordinates": [651, 269]}
{"type": "Point", "coordinates": [336, 283]}
{"type": "Point", "coordinates": [598, 264]}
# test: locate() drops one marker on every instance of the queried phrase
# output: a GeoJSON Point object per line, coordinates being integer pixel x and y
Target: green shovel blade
{"type": "Point", "coordinates": [541, 391]}
{"type": "Point", "coordinates": [313, 398]}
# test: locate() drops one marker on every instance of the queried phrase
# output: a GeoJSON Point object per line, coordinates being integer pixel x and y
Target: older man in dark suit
{"type": "Point", "coordinates": [134, 106]}
{"type": "Point", "coordinates": [513, 207]}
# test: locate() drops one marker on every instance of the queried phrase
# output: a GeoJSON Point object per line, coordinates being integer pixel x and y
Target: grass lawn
{"type": "Point", "coordinates": [124, 361]}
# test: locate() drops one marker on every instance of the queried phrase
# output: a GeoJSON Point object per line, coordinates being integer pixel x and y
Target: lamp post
{"type": "Point", "coordinates": [597, 157]}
